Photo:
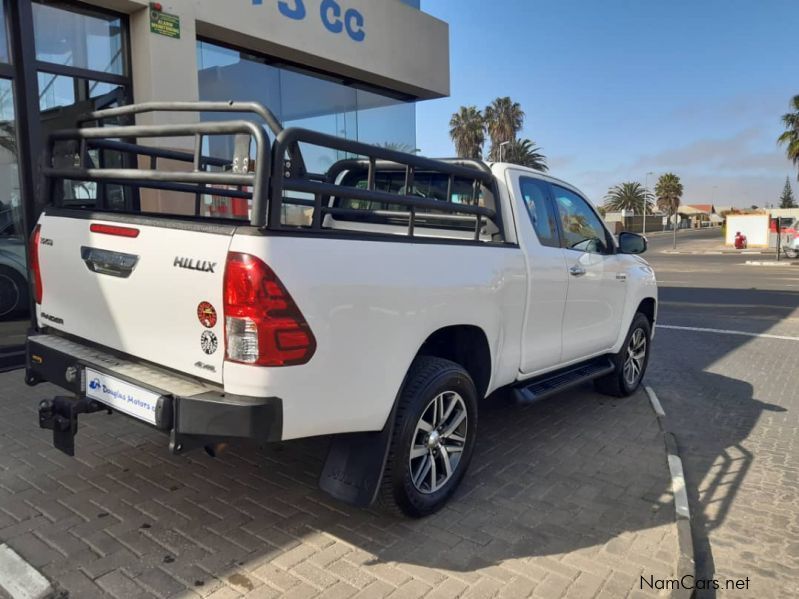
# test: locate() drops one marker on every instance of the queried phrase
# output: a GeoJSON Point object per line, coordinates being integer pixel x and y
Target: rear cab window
{"type": "Point", "coordinates": [535, 194]}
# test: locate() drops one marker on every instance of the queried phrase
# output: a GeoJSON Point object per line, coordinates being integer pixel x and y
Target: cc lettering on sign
{"type": "Point", "coordinates": [335, 18]}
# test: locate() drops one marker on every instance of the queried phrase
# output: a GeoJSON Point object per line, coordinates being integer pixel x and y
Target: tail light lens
{"type": "Point", "coordinates": [33, 258]}
{"type": "Point", "coordinates": [263, 325]}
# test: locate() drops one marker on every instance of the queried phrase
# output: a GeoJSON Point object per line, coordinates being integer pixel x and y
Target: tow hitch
{"type": "Point", "coordinates": [60, 415]}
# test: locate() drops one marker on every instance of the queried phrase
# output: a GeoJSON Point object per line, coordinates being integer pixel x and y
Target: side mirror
{"type": "Point", "coordinates": [632, 243]}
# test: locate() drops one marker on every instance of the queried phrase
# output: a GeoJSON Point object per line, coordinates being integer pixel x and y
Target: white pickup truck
{"type": "Point", "coordinates": [378, 302]}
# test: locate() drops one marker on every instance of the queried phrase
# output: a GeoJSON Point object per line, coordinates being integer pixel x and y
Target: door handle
{"type": "Point", "coordinates": [577, 271]}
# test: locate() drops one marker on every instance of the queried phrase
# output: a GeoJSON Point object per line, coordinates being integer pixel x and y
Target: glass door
{"type": "Point", "coordinates": [14, 316]}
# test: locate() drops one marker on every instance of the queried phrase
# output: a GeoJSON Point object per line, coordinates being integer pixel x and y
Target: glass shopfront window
{"type": "Point", "coordinates": [73, 38]}
{"type": "Point", "coordinates": [13, 268]}
{"type": "Point", "coordinates": [3, 34]}
{"type": "Point", "coordinates": [82, 66]}
{"type": "Point", "coordinates": [303, 99]}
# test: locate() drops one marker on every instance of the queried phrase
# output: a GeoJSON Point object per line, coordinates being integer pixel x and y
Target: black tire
{"type": "Point", "coordinates": [429, 378]}
{"type": "Point", "coordinates": [616, 383]}
{"type": "Point", "coordinates": [13, 292]}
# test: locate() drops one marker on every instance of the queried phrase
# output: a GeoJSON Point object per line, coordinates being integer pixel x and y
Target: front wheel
{"type": "Point", "coordinates": [630, 363]}
{"type": "Point", "coordinates": [433, 438]}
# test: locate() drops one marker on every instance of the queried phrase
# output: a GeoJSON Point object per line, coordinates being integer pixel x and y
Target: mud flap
{"type": "Point", "coordinates": [354, 466]}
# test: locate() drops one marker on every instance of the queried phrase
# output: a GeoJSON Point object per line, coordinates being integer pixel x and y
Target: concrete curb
{"type": "Point", "coordinates": [19, 579]}
{"type": "Point", "coordinates": [686, 565]}
{"type": "Point", "coordinates": [717, 252]}
{"type": "Point", "coordinates": [772, 263]}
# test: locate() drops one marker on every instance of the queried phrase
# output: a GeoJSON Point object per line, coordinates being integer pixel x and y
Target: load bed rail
{"type": "Point", "coordinates": [271, 176]}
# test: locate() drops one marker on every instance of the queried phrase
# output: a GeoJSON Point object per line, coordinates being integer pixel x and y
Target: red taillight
{"type": "Point", "coordinates": [33, 251]}
{"type": "Point", "coordinates": [263, 325]}
{"type": "Point", "coordinates": [112, 230]}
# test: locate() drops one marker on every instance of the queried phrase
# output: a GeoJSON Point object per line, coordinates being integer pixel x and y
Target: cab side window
{"type": "Point", "coordinates": [581, 227]}
{"type": "Point", "coordinates": [535, 195]}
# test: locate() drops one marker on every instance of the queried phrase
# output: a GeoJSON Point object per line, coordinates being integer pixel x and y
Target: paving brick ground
{"type": "Point", "coordinates": [567, 498]}
{"type": "Point", "coordinates": [734, 402]}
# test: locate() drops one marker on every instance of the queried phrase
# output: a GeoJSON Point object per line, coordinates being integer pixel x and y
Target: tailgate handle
{"type": "Point", "coordinates": [106, 262]}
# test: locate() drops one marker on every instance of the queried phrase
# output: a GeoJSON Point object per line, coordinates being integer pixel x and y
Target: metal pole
{"type": "Point", "coordinates": [502, 147]}
{"type": "Point", "coordinates": [674, 227]}
{"type": "Point", "coordinates": [646, 200]}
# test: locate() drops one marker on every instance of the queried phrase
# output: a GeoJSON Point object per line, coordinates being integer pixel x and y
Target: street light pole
{"type": "Point", "coordinates": [501, 147]}
{"type": "Point", "coordinates": [646, 200]}
{"type": "Point", "coordinates": [674, 227]}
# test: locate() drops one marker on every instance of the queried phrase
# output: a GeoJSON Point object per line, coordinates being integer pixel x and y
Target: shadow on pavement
{"type": "Point", "coordinates": [714, 414]}
{"type": "Point", "coordinates": [578, 474]}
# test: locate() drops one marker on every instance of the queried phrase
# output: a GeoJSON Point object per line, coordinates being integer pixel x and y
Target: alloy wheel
{"type": "Point", "coordinates": [636, 356]}
{"type": "Point", "coordinates": [438, 442]}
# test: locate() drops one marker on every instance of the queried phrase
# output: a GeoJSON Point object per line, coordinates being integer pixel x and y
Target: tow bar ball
{"type": "Point", "coordinates": [60, 415]}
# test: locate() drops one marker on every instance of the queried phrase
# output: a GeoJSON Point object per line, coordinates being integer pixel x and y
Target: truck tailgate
{"type": "Point", "coordinates": [147, 287]}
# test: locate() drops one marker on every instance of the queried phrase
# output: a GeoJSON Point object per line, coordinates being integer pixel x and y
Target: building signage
{"type": "Point", "coordinates": [163, 23]}
{"type": "Point", "coordinates": [334, 16]}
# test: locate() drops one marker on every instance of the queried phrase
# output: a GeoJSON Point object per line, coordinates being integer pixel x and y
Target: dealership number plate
{"type": "Point", "coordinates": [133, 401]}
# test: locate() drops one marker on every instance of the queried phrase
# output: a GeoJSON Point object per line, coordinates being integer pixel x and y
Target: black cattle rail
{"type": "Point", "coordinates": [278, 169]}
{"type": "Point", "coordinates": [325, 187]}
{"type": "Point", "coordinates": [195, 182]}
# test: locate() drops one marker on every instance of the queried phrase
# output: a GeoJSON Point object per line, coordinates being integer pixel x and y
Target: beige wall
{"type": "Point", "coordinates": [405, 50]}
{"type": "Point", "coordinates": [754, 226]}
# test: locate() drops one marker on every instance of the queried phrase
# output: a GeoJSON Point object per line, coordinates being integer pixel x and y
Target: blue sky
{"type": "Point", "coordinates": [614, 89]}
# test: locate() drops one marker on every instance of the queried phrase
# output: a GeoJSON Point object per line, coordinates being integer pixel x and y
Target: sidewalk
{"type": "Point", "coordinates": [567, 498]}
{"type": "Point", "coordinates": [714, 245]}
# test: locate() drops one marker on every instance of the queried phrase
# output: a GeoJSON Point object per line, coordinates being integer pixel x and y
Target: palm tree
{"type": "Point", "coordinates": [791, 136]}
{"type": "Point", "coordinates": [504, 118]}
{"type": "Point", "coordinates": [467, 130]}
{"type": "Point", "coordinates": [524, 152]}
{"type": "Point", "coordinates": [628, 196]}
{"type": "Point", "coordinates": [669, 192]}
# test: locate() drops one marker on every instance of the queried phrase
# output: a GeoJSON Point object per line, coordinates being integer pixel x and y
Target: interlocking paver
{"type": "Point", "coordinates": [734, 415]}
{"type": "Point", "coordinates": [560, 498]}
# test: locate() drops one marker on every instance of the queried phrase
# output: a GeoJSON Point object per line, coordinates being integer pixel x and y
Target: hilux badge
{"type": "Point", "coordinates": [192, 264]}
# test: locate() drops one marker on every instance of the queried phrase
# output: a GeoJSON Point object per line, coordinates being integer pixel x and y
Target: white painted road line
{"type": "Point", "coordinates": [727, 332]}
{"type": "Point", "coordinates": [19, 579]}
{"type": "Point", "coordinates": [678, 487]}
{"type": "Point", "coordinates": [653, 399]}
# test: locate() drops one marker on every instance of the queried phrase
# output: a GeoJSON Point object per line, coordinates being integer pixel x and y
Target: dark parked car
{"type": "Point", "coordinates": [13, 269]}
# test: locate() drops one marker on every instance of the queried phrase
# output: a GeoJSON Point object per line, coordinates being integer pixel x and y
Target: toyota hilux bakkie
{"type": "Point", "coordinates": [376, 302]}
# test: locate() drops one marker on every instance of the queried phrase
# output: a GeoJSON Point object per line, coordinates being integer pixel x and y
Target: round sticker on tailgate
{"type": "Point", "coordinates": [209, 342]}
{"type": "Point", "coordinates": [207, 315]}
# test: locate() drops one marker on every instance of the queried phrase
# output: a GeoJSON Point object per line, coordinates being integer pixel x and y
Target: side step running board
{"type": "Point", "coordinates": [560, 380]}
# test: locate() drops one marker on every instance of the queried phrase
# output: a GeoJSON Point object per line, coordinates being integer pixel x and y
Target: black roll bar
{"type": "Point", "coordinates": [268, 117]}
{"type": "Point", "coordinates": [378, 157]}
{"type": "Point", "coordinates": [257, 180]}
{"type": "Point", "coordinates": [276, 169]}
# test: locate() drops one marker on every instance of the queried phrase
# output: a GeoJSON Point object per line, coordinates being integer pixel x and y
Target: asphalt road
{"type": "Point", "coordinates": [725, 365]}
{"type": "Point", "coordinates": [722, 291]}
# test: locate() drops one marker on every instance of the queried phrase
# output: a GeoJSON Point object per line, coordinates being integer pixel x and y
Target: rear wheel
{"type": "Point", "coordinates": [433, 438]}
{"type": "Point", "coordinates": [13, 292]}
{"type": "Point", "coordinates": [630, 363]}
